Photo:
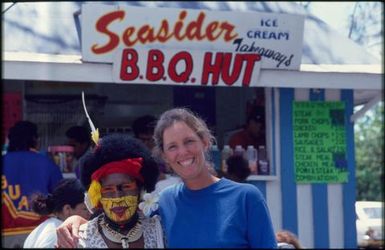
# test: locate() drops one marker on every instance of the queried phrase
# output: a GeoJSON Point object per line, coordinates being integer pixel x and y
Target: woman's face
{"type": "Point", "coordinates": [184, 151]}
{"type": "Point", "coordinates": [119, 197]}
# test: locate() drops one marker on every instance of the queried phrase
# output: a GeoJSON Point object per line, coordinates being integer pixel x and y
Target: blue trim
{"type": "Point", "coordinates": [261, 185]}
{"type": "Point", "coordinates": [320, 215]}
{"type": "Point", "coordinates": [320, 197]}
{"type": "Point", "coordinates": [349, 189]}
{"type": "Point", "coordinates": [317, 95]}
{"type": "Point", "coordinates": [288, 184]}
{"type": "Point", "coordinates": [273, 167]}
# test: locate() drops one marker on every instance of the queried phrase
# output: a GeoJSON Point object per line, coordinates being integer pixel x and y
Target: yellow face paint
{"type": "Point", "coordinates": [120, 209]}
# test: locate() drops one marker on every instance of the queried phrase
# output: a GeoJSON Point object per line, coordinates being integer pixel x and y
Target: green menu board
{"type": "Point", "coordinates": [319, 142]}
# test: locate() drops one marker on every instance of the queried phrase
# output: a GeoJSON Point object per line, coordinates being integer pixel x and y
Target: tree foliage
{"type": "Point", "coordinates": [369, 141]}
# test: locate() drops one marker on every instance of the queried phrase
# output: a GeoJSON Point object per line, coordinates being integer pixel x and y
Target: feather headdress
{"type": "Point", "coordinates": [94, 132]}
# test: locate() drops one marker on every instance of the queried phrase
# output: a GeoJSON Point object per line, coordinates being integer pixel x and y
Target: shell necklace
{"type": "Point", "coordinates": [133, 234]}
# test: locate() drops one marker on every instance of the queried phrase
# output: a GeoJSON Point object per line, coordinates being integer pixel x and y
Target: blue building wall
{"type": "Point", "coordinates": [321, 215]}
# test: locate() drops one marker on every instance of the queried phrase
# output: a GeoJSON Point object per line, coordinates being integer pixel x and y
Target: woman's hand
{"type": "Point", "coordinates": [68, 232]}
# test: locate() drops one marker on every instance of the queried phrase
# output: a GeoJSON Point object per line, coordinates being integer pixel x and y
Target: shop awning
{"type": "Point", "coordinates": [365, 79]}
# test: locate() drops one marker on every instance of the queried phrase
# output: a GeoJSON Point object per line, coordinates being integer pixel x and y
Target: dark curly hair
{"type": "Point", "coordinates": [144, 125]}
{"type": "Point", "coordinates": [22, 136]}
{"type": "Point", "coordinates": [116, 147]}
{"type": "Point", "coordinates": [79, 134]}
{"type": "Point", "coordinates": [237, 168]}
{"type": "Point", "coordinates": [67, 191]}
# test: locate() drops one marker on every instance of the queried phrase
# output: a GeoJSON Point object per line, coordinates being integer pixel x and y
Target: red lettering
{"type": "Point", "coordinates": [163, 35]}
{"type": "Point", "coordinates": [227, 77]}
{"type": "Point", "coordinates": [146, 34]}
{"type": "Point", "coordinates": [155, 61]}
{"type": "Point", "coordinates": [228, 28]}
{"type": "Point", "coordinates": [209, 68]}
{"type": "Point", "coordinates": [194, 28]}
{"type": "Point", "coordinates": [126, 36]}
{"type": "Point", "coordinates": [101, 26]}
{"type": "Point", "coordinates": [179, 25]}
{"type": "Point", "coordinates": [129, 61]}
{"type": "Point", "coordinates": [184, 75]}
{"type": "Point", "coordinates": [250, 62]}
{"type": "Point", "coordinates": [210, 30]}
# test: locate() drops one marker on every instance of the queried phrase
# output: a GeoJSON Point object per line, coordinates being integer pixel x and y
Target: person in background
{"type": "Point", "coordinates": [79, 138]}
{"type": "Point", "coordinates": [287, 239]}
{"type": "Point", "coordinates": [24, 172]}
{"type": "Point", "coordinates": [237, 168]}
{"type": "Point", "coordinates": [66, 199]}
{"type": "Point", "coordinates": [143, 128]}
{"type": "Point", "coordinates": [253, 132]}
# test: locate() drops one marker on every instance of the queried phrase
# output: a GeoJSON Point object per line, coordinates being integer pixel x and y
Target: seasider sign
{"type": "Point", "coordinates": [107, 29]}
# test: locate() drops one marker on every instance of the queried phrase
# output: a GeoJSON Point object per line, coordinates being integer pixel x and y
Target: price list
{"type": "Point", "coordinates": [319, 142]}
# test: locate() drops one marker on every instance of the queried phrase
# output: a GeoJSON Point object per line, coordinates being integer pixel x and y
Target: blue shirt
{"type": "Point", "coordinates": [23, 174]}
{"type": "Point", "coordinates": [225, 214]}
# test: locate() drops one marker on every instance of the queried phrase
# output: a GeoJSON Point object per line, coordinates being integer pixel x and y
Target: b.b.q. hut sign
{"type": "Point", "coordinates": [189, 45]}
{"type": "Point", "coordinates": [188, 67]}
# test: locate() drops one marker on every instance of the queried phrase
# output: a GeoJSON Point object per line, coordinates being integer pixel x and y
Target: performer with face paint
{"type": "Point", "coordinates": [119, 170]}
{"type": "Point", "coordinates": [116, 173]}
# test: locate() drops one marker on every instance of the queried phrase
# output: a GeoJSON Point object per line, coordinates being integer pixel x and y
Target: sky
{"type": "Point", "coordinates": [336, 15]}
{"type": "Point", "coordinates": [333, 13]}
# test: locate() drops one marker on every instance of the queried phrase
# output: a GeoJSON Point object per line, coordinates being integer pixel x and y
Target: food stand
{"type": "Point", "coordinates": [153, 55]}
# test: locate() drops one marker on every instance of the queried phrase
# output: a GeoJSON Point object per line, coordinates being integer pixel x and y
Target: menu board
{"type": "Point", "coordinates": [319, 142]}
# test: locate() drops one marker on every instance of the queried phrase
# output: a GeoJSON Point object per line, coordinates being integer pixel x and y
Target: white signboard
{"type": "Point", "coordinates": [186, 67]}
{"type": "Point", "coordinates": [105, 29]}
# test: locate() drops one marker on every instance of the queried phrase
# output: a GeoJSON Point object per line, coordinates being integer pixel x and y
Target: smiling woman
{"type": "Point", "coordinates": [230, 209]}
